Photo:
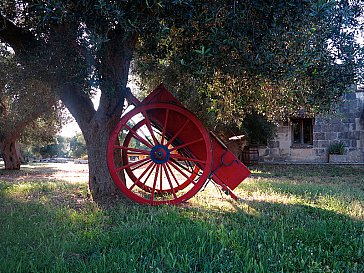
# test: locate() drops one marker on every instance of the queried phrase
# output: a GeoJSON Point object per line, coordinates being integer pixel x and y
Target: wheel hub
{"type": "Point", "coordinates": [159, 154]}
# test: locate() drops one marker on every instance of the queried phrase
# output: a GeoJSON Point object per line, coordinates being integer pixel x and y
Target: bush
{"type": "Point", "coordinates": [337, 148]}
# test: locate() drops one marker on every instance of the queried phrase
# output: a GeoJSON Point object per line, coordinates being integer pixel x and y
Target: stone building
{"type": "Point", "coordinates": [303, 139]}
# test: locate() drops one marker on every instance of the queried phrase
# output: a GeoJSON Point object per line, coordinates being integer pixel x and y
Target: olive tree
{"type": "Point", "coordinates": [28, 109]}
{"type": "Point", "coordinates": [232, 55]}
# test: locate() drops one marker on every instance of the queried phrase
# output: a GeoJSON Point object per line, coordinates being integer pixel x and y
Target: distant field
{"type": "Point", "coordinates": [291, 218]}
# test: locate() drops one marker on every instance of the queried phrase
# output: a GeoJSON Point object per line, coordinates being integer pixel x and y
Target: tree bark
{"type": "Point", "coordinates": [10, 154]}
{"type": "Point", "coordinates": [112, 64]}
{"type": "Point", "coordinates": [97, 125]}
{"type": "Point", "coordinates": [101, 185]}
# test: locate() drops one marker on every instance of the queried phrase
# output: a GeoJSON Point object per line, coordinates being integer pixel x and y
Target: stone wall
{"type": "Point", "coordinates": [346, 126]}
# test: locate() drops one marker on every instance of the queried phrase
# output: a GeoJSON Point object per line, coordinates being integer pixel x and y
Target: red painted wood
{"type": "Point", "coordinates": [194, 154]}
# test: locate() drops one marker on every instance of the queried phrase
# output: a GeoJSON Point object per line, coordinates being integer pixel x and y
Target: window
{"type": "Point", "coordinates": [133, 157]}
{"type": "Point", "coordinates": [302, 131]}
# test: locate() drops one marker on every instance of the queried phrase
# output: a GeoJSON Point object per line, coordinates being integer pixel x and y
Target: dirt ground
{"type": "Point", "coordinates": [69, 172]}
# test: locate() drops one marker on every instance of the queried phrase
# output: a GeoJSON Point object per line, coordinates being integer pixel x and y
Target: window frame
{"type": "Point", "coordinates": [302, 132]}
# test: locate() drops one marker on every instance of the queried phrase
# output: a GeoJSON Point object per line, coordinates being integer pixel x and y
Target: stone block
{"type": "Point", "coordinates": [338, 158]}
{"type": "Point", "coordinates": [352, 127]}
{"type": "Point", "coordinates": [346, 142]}
{"type": "Point", "coordinates": [319, 136]}
{"type": "Point", "coordinates": [325, 128]}
{"type": "Point", "coordinates": [337, 127]}
{"type": "Point", "coordinates": [322, 143]}
{"type": "Point", "coordinates": [263, 151]}
{"type": "Point", "coordinates": [316, 128]}
{"type": "Point", "coordinates": [343, 135]}
{"type": "Point", "coordinates": [345, 127]}
{"type": "Point", "coordinates": [358, 123]}
{"type": "Point", "coordinates": [304, 154]}
{"type": "Point", "coordinates": [354, 135]}
{"type": "Point", "coordinates": [284, 152]}
{"type": "Point", "coordinates": [348, 119]}
{"type": "Point", "coordinates": [351, 116]}
{"type": "Point", "coordinates": [283, 137]}
{"type": "Point", "coordinates": [285, 144]}
{"type": "Point", "coordinates": [355, 156]}
{"type": "Point", "coordinates": [353, 143]}
{"type": "Point", "coordinates": [273, 144]}
{"type": "Point", "coordinates": [319, 152]}
{"type": "Point", "coordinates": [331, 136]}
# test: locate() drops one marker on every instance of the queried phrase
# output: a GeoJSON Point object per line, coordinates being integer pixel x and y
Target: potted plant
{"type": "Point", "coordinates": [336, 152]}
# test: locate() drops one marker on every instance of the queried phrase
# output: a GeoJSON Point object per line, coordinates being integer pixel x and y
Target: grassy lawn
{"type": "Point", "coordinates": [290, 219]}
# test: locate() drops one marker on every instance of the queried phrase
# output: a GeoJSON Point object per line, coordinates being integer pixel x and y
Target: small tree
{"type": "Point", "coordinates": [78, 146]}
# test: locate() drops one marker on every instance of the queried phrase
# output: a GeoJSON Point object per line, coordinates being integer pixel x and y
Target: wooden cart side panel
{"type": "Point", "coordinates": [226, 167]}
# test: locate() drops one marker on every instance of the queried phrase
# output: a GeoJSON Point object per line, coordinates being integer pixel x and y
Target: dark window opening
{"type": "Point", "coordinates": [302, 131]}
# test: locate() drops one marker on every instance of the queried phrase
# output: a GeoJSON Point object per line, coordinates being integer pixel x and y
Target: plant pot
{"type": "Point", "coordinates": [334, 158]}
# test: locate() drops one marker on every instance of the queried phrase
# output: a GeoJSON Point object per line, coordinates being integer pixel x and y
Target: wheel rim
{"type": "Point", "coordinates": [153, 135]}
{"type": "Point", "coordinates": [130, 173]}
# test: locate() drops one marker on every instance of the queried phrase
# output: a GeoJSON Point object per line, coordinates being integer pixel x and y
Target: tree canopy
{"type": "Point", "coordinates": [269, 57]}
{"type": "Point", "coordinates": [234, 57]}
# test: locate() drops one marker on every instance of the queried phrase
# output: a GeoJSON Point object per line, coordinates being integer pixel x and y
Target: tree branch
{"type": "Point", "coordinates": [19, 39]}
{"type": "Point", "coordinates": [79, 105]}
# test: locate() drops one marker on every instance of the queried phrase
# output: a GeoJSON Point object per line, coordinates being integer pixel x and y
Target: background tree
{"type": "Point", "coordinates": [42, 132]}
{"type": "Point", "coordinates": [78, 146]}
{"type": "Point", "coordinates": [233, 56]}
{"type": "Point", "coordinates": [28, 109]}
{"type": "Point", "coordinates": [58, 147]}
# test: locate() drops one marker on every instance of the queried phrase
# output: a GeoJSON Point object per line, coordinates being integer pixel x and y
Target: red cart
{"type": "Point", "coordinates": [160, 153]}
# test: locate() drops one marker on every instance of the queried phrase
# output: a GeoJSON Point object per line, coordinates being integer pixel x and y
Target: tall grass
{"type": "Point", "coordinates": [289, 219]}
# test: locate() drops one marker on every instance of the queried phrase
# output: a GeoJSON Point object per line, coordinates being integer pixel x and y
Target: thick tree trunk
{"type": "Point", "coordinates": [10, 153]}
{"type": "Point", "coordinates": [101, 185]}
{"type": "Point", "coordinates": [113, 62]}
{"type": "Point", "coordinates": [96, 127]}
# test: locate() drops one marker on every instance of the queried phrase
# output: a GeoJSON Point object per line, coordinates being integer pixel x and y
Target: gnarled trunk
{"type": "Point", "coordinates": [10, 154]}
{"type": "Point", "coordinates": [113, 62]}
{"type": "Point", "coordinates": [101, 185]}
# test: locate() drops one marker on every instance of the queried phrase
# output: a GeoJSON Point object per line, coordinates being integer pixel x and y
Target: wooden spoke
{"type": "Point", "coordinates": [174, 177]}
{"type": "Point", "coordinates": [139, 166]}
{"type": "Point", "coordinates": [169, 180]}
{"type": "Point", "coordinates": [149, 126]}
{"type": "Point", "coordinates": [152, 165]}
{"type": "Point", "coordinates": [155, 182]}
{"type": "Point", "coordinates": [165, 127]}
{"type": "Point", "coordinates": [136, 136]}
{"type": "Point", "coordinates": [133, 164]}
{"type": "Point", "coordinates": [181, 172]}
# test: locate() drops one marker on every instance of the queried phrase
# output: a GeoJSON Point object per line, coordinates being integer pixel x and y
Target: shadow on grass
{"type": "Point", "coordinates": [29, 171]}
{"type": "Point", "coordinates": [39, 235]}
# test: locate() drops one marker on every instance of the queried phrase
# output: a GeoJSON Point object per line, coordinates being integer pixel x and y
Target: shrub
{"type": "Point", "coordinates": [337, 148]}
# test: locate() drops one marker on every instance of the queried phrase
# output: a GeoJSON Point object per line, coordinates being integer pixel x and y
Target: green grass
{"type": "Point", "coordinates": [290, 219]}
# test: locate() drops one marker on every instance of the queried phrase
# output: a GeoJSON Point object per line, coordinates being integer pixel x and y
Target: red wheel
{"type": "Point", "coordinates": [166, 154]}
{"type": "Point", "coordinates": [193, 169]}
